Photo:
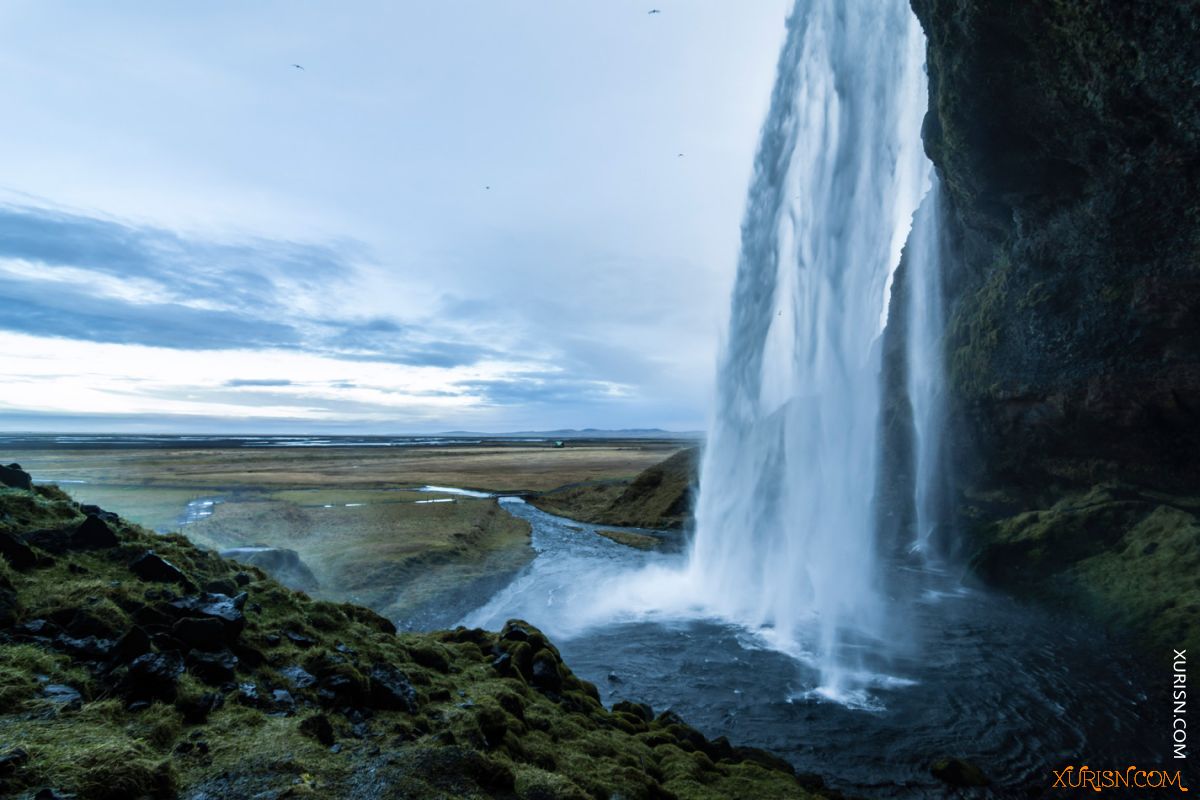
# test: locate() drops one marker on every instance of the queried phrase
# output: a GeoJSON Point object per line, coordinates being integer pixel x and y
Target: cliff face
{"type": "Point", "coordinates": [1067, 139]}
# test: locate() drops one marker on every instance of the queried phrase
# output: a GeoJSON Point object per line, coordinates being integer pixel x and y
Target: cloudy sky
{"type": "Point", "coordinates": [463, 214]}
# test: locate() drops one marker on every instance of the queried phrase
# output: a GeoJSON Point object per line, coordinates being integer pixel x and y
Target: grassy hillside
{"type": "Point", "coordinates": [660, 496]}
{"type": "Point", "coordinates": [138, 665]}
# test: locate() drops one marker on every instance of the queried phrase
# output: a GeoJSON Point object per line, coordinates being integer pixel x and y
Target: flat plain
{"type": "Point", "coordinates": [353, 515]}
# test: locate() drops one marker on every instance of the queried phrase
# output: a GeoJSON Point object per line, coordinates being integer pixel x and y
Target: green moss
{"type": "Point", "coordinates": [1128, 559]}
{"type": "Point", "coordinates": [24, 668]}
{"type": "Point", "coordinates": [527, 726]}
{"type": "Point", "coordinates": [975, 328]}
{"type": "Point", "coordinates": [638, 541]}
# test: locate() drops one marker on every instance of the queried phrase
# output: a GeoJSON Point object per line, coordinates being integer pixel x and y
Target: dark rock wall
{"type": "Point", "coordinates": [1066, 135]}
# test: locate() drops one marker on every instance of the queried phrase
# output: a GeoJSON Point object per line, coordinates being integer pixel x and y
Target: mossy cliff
{"type": "Point", "coordinates": [138, 665]}
{"type": "Point", "coordinates": [1066, 136]}
{"type": "Point", "coordinates": [661, 496]}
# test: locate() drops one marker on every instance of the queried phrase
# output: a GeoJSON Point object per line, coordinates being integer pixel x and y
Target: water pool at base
{"type": "Point", "coordinates": [986, 678]}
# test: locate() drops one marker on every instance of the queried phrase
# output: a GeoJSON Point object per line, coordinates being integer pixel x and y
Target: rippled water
{"type": "Point", "coordinates": [986, 679]}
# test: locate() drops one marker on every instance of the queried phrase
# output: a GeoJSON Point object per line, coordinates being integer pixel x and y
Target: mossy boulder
{"type": "Point", "coordinates": [1130, 559]}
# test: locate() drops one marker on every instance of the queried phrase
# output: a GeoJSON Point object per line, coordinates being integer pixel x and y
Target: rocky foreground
{"type": "Point", "coordinates": [138, 665]}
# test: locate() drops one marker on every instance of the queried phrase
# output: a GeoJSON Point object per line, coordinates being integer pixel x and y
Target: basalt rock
{"type": "Point", "coordinates": [151, 567]}
{"type": "Point", "coordinates": [219, 607]}
{"type": "Point", "coordinates": [97, 511]}
{"type": "Point", "coordinates": [93, 534]}
{"type": "Point", "coordinates": [153, 676]}
{"type": "Point", "coordinates": [1066, 138]}
{"type": "Point", "coordinates": [317, 727]}
{"type": "Point", "coordinates": [10, 608]}
{"type": "Point", "coordinates": [16, 552]}
{"type": "Point", "coordinates": [200, 633]}
{"type": "Point", "coordinates": [391, 688]}
{"type": "Point", "coordinates": [212, 668]}
{"type": "Point", "coordinates": [15, 477]}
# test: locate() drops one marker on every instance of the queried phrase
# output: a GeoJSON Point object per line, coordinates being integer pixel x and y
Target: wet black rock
{"type": "Point", "coordinates": [151, 567]}
{"type": "Point", "coordinates": [544, 673]}
{"type": "Point", "coordinates": [298, 677]}
{"type": "Point", "coordinates": [299, 639]}
{"type": "Point", "coordinates": [515, 631]}
{"type": "Point", "coordinates": [318, 727]}
{"type": "Point", "coordinates": [87, 648]}
{"type": "Point", "coordinates": [167, 643]}
{"type": "Point", "coordinates": [958, 773]}
{"type": "Point", "coordinates": [51, 540]}
{"type": "Point", "coordinates": [340, 690]}
{"type": "Point", "coordinates": [88, 623]}
{"type": "Point", "coordinates": [283, 699]}
{"type": "Point", "coordinates": [153, 676]}
{"type": "Point", "coordinates": [222, 586]}
{"type": "Point", "coordinates": [213, 668]}
{"type": "Point", "coordinates": [13, 760]}
{"type": "Point", "coordinates": [10, 608]}
{"type": "Point", "coordinates": [195, 710]}
{"type": "Point", "coordinates": [248, 694]}
{"type": "Point", "coordinates": [133, 643]}
{"type": "Point", "coordinates": [36, 629]}
{"type": "Point", "coordinates": [97, 511]}
{"type": "Point", "coordinates": [251, 657]}
{"type": "Point", "coordinates": [391, 689]}
{"type": "Point", "coordinates": [503, 663]}
{"type": "Point", "coordinates": [61, 693]}
{"type": "Point", "coordinates": [223, 608]}
{"type": "Point", "coordinates": [201, 633]}
{"type": "Point", "coordinates": [15, 477]}
{"type": "Point", "coordinates": [16, 552]}
{"type": "Point", "coordinates": [93, 534]}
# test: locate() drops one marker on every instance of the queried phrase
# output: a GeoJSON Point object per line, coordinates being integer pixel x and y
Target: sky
{"type": "Point", "coordinates": [465, 214]}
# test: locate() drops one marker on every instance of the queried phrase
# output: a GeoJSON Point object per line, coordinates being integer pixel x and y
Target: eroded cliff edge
{"type": "Point", "coordinates": [1065, 136]}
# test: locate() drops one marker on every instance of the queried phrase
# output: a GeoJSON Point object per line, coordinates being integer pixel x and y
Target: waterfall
{"type": "Point", "coordinates": [924, 324]}
{"type": "Point", "coordinates": [786, 544]}
{"type": "Point", "coordinates": [785, 534]}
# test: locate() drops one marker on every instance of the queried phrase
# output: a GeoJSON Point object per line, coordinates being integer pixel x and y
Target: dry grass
{"type": "Point", "coordinates": [491, 468]}
{"type": "Point", "coordinates": [389, 553]}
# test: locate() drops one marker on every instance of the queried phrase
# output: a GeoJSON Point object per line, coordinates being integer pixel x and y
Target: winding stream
{"type": "Point", "coordinates": [986, 679]}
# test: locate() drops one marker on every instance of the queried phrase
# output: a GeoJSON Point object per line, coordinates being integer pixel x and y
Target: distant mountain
{"type": "Point", "coordinates": [585, 433]}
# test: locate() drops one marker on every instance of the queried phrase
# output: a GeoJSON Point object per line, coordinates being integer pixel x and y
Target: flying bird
{"type": "Point", "coordinates": [297, 66]}
{"type": "Point", "coordinates": [654, 11]}
{"type": "Point", "coordinates": [679, 156]}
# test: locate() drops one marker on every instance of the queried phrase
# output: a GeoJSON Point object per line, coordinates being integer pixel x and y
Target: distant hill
{"type": "Point", "coordinates": [659, 497]}
{"type": "Point", "coordinates": [586, 433]}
